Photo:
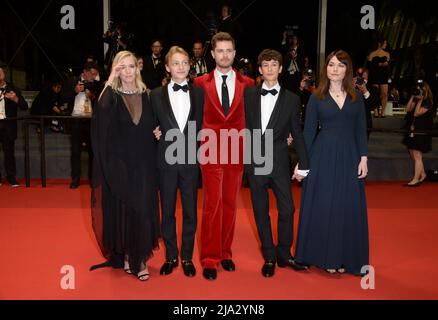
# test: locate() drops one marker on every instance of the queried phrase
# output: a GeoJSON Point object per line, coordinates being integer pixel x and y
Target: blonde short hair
{"type": "Point", "coordinates": [172, 51]}
{"type": "Point", "coordinates": [117, 84]}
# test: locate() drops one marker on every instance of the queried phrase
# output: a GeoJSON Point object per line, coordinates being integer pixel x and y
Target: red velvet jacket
{"type": "Point", "coordinates": [215, 120]}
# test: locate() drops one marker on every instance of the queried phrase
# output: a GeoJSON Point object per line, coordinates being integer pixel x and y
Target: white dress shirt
{"type": "Point", "coordinates": [2, 108]}
{"type": "Point", "coordinates": [78, 108]}
{"type": "Point", "coordinates": [231, 84]}
{"type": "Point", "coordinates": [180, 103]}
{"type": "Point", "coordinates": [2, 105]}
{"type": "Point", "coordinates": [268, 104]}
{"type": "Point", "coordinates": [80, 99]}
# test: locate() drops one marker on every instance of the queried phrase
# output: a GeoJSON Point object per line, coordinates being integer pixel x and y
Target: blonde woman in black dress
{"type": "Point", "coordinates": [125, 196]}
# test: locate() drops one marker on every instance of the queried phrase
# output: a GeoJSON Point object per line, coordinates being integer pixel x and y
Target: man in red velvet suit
{"type": "Point", "coordinates": [223, 110]}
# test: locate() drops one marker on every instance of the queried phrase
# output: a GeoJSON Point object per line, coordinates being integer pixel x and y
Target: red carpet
{"type": "Point", "coordinates": [42, 230]}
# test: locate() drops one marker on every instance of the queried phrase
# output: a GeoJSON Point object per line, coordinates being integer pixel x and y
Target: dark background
{"type": "Point", "coordinates": [57, 52]}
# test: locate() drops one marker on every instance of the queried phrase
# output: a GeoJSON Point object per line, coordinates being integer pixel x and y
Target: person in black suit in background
{"type": "Point", "coordinates": [274, 112]}
{"type": "Point", "coordinates": [153, 71]}
{"type": "Point", "coordinates": [10, 100]}
{"type": "Point", "coordinates": [294, 62]}
{"type": "Point", "coordinates": [200, 62]}
{"type": "Point", "coordinates": [81, 93]}
{"type": "Point", "coordinates": [178, 108]}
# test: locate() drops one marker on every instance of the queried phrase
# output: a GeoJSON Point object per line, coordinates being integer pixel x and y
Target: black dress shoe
{"type": "Point", "coordinates": [74, 184]}
{"type": "Point", "coordinates": [209, 274]}
{"type": "Point", "coordinates": [189, 268]}
{"type": "Point", "coordinates": [168, 266]}
{"type": "Point", "coordinates": [13, 182]}
{"type": "Point", "coordinates": [292, 264]}
{"type": "Point", "coordinates": [268, 268]}
{"type": "Point", "coordinates": [228, 265]}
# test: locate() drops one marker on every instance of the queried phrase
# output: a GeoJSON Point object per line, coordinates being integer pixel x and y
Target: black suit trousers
{"type": "Point", "coordinates": [186, 180]}
{"type": "Point", "coordinates": [80, 133]}
{"type": "Point", "coordinates": [8, 145]}
{"type": "Point", "coordinates": [281, 186]}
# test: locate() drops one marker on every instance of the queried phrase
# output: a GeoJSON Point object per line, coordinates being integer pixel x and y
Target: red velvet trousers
{"type": "Point", "coordinates": [221, 186]}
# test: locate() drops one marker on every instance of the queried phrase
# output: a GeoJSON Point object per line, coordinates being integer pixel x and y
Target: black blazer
{"type": "Point", "coordinates": [165, 118]}
{"type": "Point", "coordinates": [11, 110]}
{"type": "Point", "coordinates": [153, 75]}
{"type": "Point", "coordinates": [285, 119]}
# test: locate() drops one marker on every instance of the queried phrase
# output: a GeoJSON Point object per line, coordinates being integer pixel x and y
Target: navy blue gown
{"type": "Point", "coordinates": [333, 227]}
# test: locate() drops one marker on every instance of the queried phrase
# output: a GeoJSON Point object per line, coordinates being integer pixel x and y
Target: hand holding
{"type": "Point", "coordinates": [157, 133]}
{"type": "Point", "coordinates": [11, 95]}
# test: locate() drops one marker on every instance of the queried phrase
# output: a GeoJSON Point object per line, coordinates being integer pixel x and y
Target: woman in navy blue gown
{"type": "Point", "coordinates": [333, 227]}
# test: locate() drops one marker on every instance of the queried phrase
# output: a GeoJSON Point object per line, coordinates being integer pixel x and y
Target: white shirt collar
{"type": "Point", "coordinates": [219, 74]}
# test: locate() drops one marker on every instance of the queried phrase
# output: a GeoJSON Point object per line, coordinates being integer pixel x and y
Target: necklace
{"type": "Point", "coordinates": [338, 94]}
{"type": "Point", "coordinates": [128, 91]}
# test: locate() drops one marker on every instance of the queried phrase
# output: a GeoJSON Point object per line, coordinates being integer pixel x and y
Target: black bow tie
{"type": "Point", "coordinates": [177, 87]}
{"type": "Point", "coordinates": [272, 91]}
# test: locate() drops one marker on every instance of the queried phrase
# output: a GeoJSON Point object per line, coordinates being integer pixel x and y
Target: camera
{"type": "Point", "coordinates": [359, 81]}
{"type": "Point", "coordinates": [418, 90]}
{"type": "Point", "coordinates": [88, 85]}
{"type": "Point", "coordinates": [4, 90]}
{"type": "Point", "coordinates": [244, 65]}
{"type": "Point", "coordinates": [309, 75]}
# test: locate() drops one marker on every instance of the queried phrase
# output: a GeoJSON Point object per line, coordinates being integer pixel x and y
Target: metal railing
{"type": "Point", "coordinates": [39, 121]}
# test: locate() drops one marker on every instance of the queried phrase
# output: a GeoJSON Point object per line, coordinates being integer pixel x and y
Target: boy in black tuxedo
{"type": "Point", "coordinates": [271, 113]}
{"type": "Point", "coordinates": [178, 109]}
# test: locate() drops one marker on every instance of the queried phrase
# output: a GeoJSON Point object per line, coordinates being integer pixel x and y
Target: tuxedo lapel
{"type": "Point", "coordinates": [214, 98]}
{"type": "Point", "coordinates": [257, 118]}
{"type": "Point", "coordinates": [168, 107]}
{"type": "Point", "coordinates": [192, 106]}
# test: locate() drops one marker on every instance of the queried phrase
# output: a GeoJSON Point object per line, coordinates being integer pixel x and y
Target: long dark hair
{"type": "Point", "coordinates": [347, 82]}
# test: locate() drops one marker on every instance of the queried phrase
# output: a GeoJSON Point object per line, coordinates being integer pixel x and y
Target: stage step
{"type": "Point", "coordinates": [388, 157]}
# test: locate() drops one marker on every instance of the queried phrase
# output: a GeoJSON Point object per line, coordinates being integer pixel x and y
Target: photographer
{"type": "Point", "coordinates": [419, 119]}
{"type": "Point", "coordinates": [307, 86]}
{"type": "Point", "coordinates": [117, 41]}
{"type": "Point", "coordinates": [80, 94]}
{"type": "Point", "coordinates": [47, 103]}
{"type": "Point", "coordinates": [245, 68]}
{"type": "Point", "coordinates": [294, 58]}
{"type": "Point", "coordinates": [10, 100]}
{"type": "Point", "coordinates": [370, 96]}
